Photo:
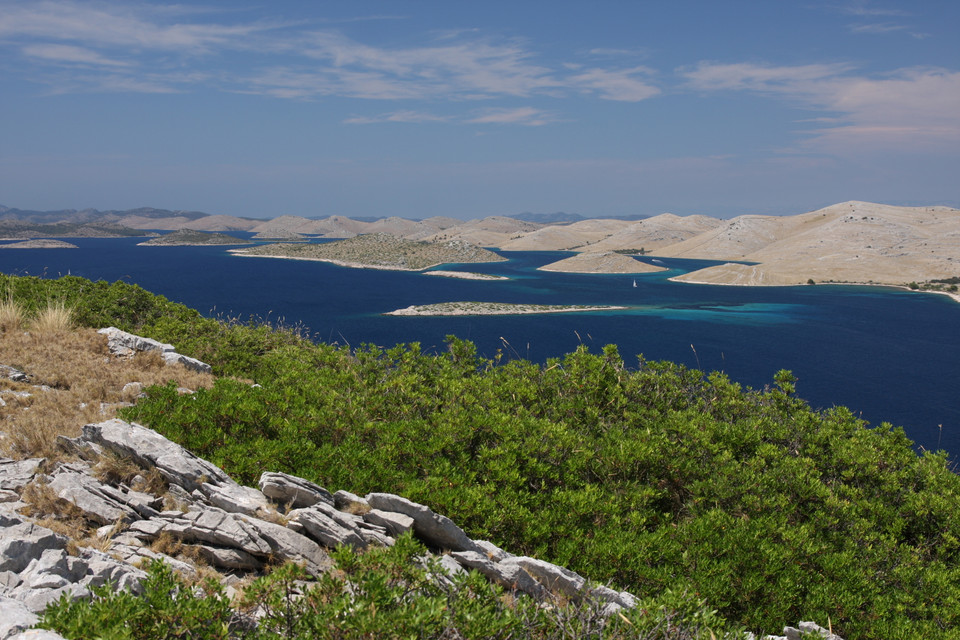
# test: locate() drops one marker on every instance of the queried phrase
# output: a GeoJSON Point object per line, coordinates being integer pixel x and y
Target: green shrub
{"type": "Point", "coordinates": [168, 608]}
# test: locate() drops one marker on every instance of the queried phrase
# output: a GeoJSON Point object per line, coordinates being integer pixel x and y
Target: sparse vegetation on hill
{"type": "Point", "coordinates": [651, 476]}
{"type": "Point", "coordinates": [379, 250]}
{"type": "Point", "coordinates": [189, 237]}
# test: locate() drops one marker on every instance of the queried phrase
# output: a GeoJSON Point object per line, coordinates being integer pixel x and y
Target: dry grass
{"type": "Point", "coordinates": [113, 470]}
{"type": "Point", "coordinates": [54, 319]}
{"type": "Point", "coordinates": [84, 384]}
{"type": "Point", "coordinates": [13, 316]}
{"type": "Point", "coordinates": [53, 512]}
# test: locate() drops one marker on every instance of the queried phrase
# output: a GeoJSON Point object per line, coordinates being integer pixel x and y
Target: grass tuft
{"type": "Point", "coordinates": [55, 318]}
{"type": "Point", "coordinates": [12, 315]}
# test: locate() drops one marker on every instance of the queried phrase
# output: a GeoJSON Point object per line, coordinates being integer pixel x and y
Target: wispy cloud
{"type": "Point", "coordinates": [69, 54]}
{"type": "Point", "coordinates": [111, 25]}
{"type": "Point", "coordinates": [526, 116]}
{"type": "Point", "coordinates": [916, 108]}
{"type": "Point", "coordinates": [876, 28]}
{"type": "Point", "coordinates": [623, 85]}
{"type": "Point", "coordinates": [867, 8]}
{"type": "Point", "coordinates": [397, 116]}
{"type": "Point", "coordinates": [151, 46]}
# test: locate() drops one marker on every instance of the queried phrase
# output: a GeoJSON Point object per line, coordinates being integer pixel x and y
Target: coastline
{"type": "Point", "coordinates": [954, 296]}
{"type": "Point", "coordinates": [339, 263]}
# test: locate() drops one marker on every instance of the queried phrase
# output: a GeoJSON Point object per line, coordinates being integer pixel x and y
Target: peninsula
{"type": "Point", "coordinates": [493, 309]}
{"type": "Point", "coordinates": [378, 251]}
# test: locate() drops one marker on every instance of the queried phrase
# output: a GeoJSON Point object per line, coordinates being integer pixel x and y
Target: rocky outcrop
{"type": "Point", "coordinates": [122, 343]}
{"type": "Point", "coordinates": [236, 529]}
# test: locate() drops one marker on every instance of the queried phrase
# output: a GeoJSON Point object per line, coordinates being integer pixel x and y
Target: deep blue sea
{"type": "Point", "coordinates": [887, 354]}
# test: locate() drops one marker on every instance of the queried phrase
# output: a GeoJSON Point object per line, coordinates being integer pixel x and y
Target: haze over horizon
{"type": "Point", "coordinates": [469, 110]}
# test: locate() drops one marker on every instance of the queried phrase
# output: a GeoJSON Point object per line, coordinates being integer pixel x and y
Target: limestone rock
{"type": "Point", "coordinates": [150, 449]}
{"type": "Point", "coordinates": [100, 502]}
{"type": "Point", "coordinates": [12, 373]}
{"type": "Point", "coordinates": [290, 490]}
{"type": "Point", "coordinates": [431, 527]}
{"type": "Point", "coordinates": [235, 498]}
{"type": "Point", "coordinates": [509, 576]}
{"type": "Point", "coordinates": [229, 558]}
{"type": "Point", "coordinates": [14, 617]}
{"type": "Point", "coordinates": [253, 536]}
{"type": "Point", "coordinates": [493, 552]}
{"type": "Point", "coordinates": [346, 501]}
{"type": "Point", "coordinates": [14, 475]}
{"type": "Point", "coordinates": [290, 545]}
{"type": "Point", "coordinates": [172, 357]}
{"type": "Point", "coordinates": [326, 530]}
{"type": "Point", "coordinates": [21, 542]}
{"type": "Point", "coordinates": [394, 523]}
{"type": "Point", "coordinates": [122, 343]}
{"type": "Point", "coordinates": [557, 580]}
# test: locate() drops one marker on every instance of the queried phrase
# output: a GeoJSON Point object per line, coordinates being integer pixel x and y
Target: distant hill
{"type": "Point", "coordinates": [561, 217]}
{"type": "Point", "coordinates": [189, 237]}
{"type": "Point", "coordinates": [17, 230]}
{"type": "Point", "coordinates": [858, 242]}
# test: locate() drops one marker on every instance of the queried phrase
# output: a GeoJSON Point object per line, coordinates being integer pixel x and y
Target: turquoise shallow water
{"type": "Point", "coordinates": [889, 355]}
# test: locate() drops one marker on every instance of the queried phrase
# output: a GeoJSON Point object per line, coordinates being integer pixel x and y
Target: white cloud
{"type": "Point", "coordinates": [288, 60]}
{"type": "Point", "coordinates": [916, 108]}
{"type": "Point", "coordinates": [623, 85]}
{"type": "Point", "coordinates": [863, 8]}
{"type": "Point", "coordinates": [527, 116]}
{"type": "Point", "coordinates": [397, 116]}
{"type": "Point", "coordinates": [876, 28]}
{"type": "Point", "coordinates": [709, 76]}
{"type": "Point", "coordinates": [68, 54]}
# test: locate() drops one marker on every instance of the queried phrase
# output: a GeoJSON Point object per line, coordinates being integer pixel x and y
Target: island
{"type": "Point", "coordinates": [465, 275]}
{"type": "Point", "coordinates": [378, 251]}
{"type": "Point", "coordinates": [39, 244]}
{"type": "Point", "coordinates": [601, 262]}
{"type": "Point", "coordinates": [191, 238]}
{"type": "Point", "coordinates": [494, 309]}
{"type": "Point", "coordinates": [22, 230]}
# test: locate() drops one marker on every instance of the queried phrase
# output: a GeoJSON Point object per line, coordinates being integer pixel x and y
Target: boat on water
{"type": "Point", "coordinates": [634, 283]}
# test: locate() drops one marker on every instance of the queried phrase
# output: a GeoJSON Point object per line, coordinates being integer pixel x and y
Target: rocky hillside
{"type": "Point", "coordinates": [119, 496]}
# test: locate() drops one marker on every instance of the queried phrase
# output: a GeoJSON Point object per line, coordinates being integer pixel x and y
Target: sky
{"type": "Point", "coordinates": [470, 109]}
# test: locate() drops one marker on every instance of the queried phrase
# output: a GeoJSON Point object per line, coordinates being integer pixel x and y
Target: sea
{"type": "Point", "coordinates": [889, 355]}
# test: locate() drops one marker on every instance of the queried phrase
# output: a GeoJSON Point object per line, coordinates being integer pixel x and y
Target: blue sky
{"type": "Point", "coordinates": [468, 109]}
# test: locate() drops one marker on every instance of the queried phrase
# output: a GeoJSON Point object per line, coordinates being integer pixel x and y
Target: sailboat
{"type": "Point", "coordinates": [634, 283]}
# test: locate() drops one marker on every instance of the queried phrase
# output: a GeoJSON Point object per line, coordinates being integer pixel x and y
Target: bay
{"type": "Point", "coordinates": [889, 355]}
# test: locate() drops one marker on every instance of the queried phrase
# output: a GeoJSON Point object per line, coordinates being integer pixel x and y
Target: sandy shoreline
{"type": "Point", "coordinates": [465, 275]}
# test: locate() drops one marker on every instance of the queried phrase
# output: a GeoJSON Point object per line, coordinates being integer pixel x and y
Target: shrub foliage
{"type": "Point", "coordinates": [652, 477]}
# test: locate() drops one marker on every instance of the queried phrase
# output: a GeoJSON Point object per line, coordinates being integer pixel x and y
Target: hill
{"type": "Point", "coordinates": [850, 242]}
{"type": "Point", "coordinates": [378, 251]}
{"type": "Point", "coordinates": [189, 237]}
